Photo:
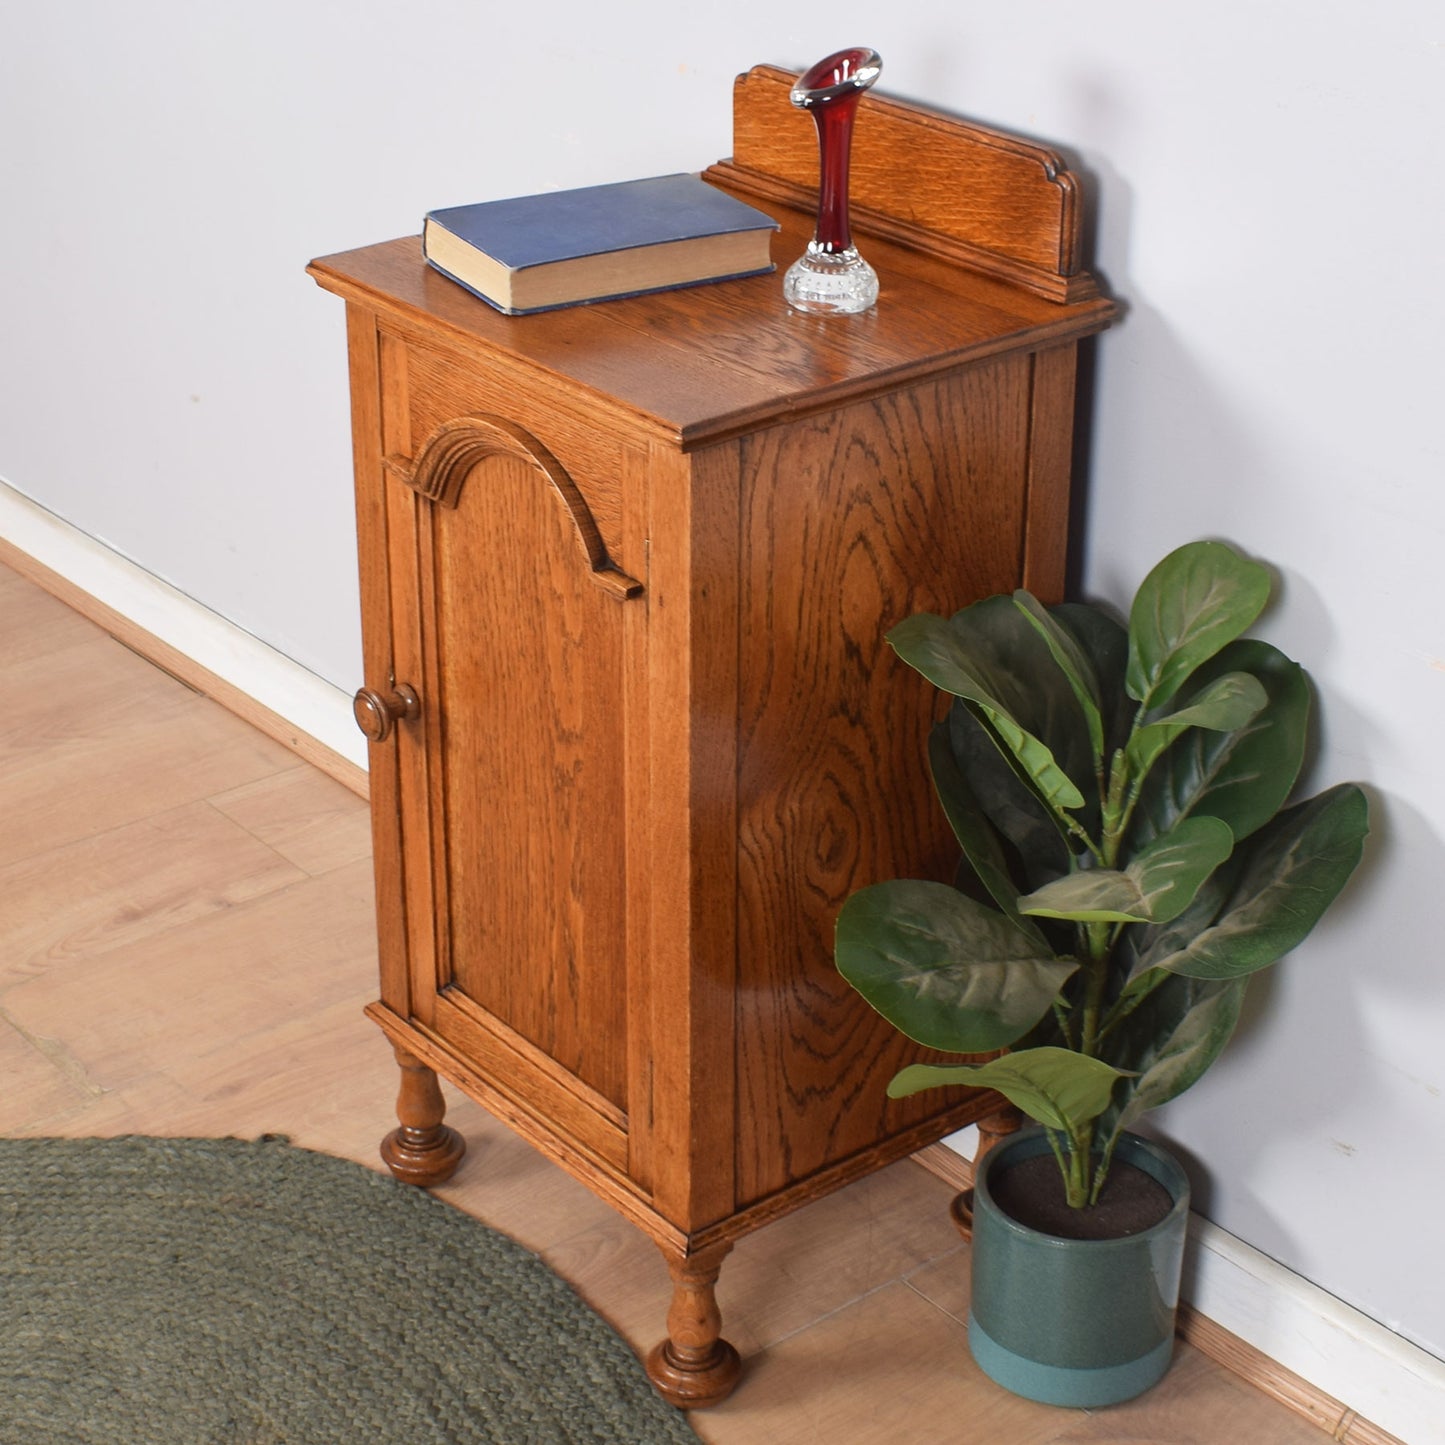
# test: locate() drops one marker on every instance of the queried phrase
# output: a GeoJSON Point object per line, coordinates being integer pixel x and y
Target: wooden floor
{"type": "Point", "coordinates": [186, 946]}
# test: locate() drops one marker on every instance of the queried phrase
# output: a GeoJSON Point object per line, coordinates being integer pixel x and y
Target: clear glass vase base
{"type": "Point", "coordinates": [830, 282]}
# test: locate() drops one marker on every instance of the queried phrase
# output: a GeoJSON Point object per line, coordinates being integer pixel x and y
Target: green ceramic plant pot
{"type": "Point", "coordinates": [1075, 1322]}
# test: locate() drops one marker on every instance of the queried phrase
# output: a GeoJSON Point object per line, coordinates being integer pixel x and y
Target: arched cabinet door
{"type": "Point", "coordinates": [520, 783]}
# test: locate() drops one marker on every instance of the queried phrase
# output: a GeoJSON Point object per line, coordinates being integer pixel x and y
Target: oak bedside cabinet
{"type": "Point", "coordinates": [635, 734]}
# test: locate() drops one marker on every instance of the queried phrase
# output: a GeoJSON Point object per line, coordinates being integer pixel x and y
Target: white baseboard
{"type": "Point", "coordinates": [1341, 1352]}
{"type": "Point", "coordinates": [1377, 1373]}
{"type": "Point", "coordinates": [311, 706]}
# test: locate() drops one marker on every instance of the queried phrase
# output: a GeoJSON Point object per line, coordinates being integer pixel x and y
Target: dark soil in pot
{"type": "Point", "coordinates": [1032, 1192]}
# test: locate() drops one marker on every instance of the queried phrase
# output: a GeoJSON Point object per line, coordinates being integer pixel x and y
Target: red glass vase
{"type": "Point", "coordinates": [830, 276]}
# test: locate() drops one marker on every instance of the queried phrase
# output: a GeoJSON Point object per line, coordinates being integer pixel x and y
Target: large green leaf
{"type": "Point", "coordinates": [990, 655]}
{"type": "Point", "coordinates": [1200, 597]}
{"type": "Point", "coordinates": [1283, 879]}
{"type": "Point", "coordinates": [1014, 808]}
{"type": "Point", "coordinates": [1058, 1087]}
{"type": "Point", "coordinates": [1166, 1044]}
{"type": "Point", "coordinates": [1054, 785]}
{"type": "Point", "coordinates": [1241, 777]}
{"type": "Point", "coordinates": [1106, 643]}
{"type": "Point", "coordinates": [1140, 943]}
{"type": "Point", "coordinates": [976, 836]}
{"type": "Point", "coordinates": [1159, 884]}
{"type": "Point", "coordinates": [944, 969]}
{"type": "Point", "coordinates": [1225, 704]}
{"type": "Point", "coordinates": [1073, 661]}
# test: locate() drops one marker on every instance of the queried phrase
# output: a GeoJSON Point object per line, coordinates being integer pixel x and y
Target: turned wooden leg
{"type": "Point", "coordinates": [993, 1129]}
{"type": "Point", "coordinates": [423, 1151]}
{"type": "Point", "coordinates": [694, 1367]}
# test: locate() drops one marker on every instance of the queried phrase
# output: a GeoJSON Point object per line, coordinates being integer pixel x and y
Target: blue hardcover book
{"type": "Point", "coordinates": [563, 248]}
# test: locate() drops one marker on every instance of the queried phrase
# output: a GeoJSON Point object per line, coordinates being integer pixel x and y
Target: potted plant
{"type": "Point", "coordinates": [1129, 859]}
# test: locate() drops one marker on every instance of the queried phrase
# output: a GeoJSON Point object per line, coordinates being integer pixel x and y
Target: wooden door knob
{"type": "Point", "coordinates": [377, 713]}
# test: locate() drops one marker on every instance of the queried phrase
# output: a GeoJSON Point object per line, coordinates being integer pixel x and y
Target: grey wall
{"type": "Point", "coordinates": [1269, 207]}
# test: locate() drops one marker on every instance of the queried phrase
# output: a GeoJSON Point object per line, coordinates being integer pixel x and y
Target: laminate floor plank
{"type": "Point", "coordinates": [35, 1085]}
{"type": "Point", "coordinates": [321, 1079]}
{"type": "Point", "coordinates": [91, 693]}
{"type": "Point", "coordinates": [507, 1183]}
{"type": "Point", "coordinates": [84, 755]}
{"type": "Point", "coordinates": [186, 944]}
{"type": "Point", "coordinates": [782, 1279]}
{"type": "Point", "coordinates": [129, 885]}
{"type": "Point", "coordinates": [309, 819]}
{"type": "Point", "coordinates": [153, 1004]}
{"type": "Point", "coordinates": [886, 1368]}
{"type": "Point", "coordinates": [33, 623]}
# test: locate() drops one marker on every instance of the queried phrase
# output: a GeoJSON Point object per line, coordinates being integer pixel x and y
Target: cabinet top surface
{"type": "Point", "coordinates": [706, 362]}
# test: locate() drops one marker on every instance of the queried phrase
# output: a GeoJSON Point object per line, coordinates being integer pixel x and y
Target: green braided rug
{"type": "Point", "coordinates": [198, 1291]}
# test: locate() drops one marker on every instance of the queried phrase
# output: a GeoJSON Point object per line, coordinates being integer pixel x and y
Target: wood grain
{"type": "Point", "coordinates": [529, 665]}
{"type": "Point", "coordinates": [443, 385]}
{"type": "Point", "coordinates": [139, 881]}
{"type": "Point", "coordinates": [902, 1219]}
{"type": "Point", "coordinates": [1051, 445]}
{"type": "Point", "coordinates": [697, 365]}
{"type": "Point", "coordinates": [421, 1150]}
{"type": "Point", "coordinates": [36, 622]}
{"type": "Point", "coordinates": [36, 1087]}
{"type": "Point", "coordinates": [310, 820]}
{"type": "Point", "coordinates": [454, 449]}
{"type": "Point", "coordinates": [690, 861]}
{"type": "Point", "coordinates": [193, 745]}
{"type": "Point", "coordinates": [1272, 1379]}
{"type": "Point", "coordinates": [368, 439]}
{"type": "Point", "coordinates": [987, 199]}
{"type": "Point", "coordinates": [913, 504]}
{"type": "Point", "coordinates": [210, 961]}
{"type": "Point", "coordinates": [644, 986]}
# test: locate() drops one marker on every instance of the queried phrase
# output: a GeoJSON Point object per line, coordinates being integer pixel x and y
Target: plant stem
{"type": "Point", "coordinates": [1101, 1170]}
{"type": "Point", "coordinates": [1076, 1182]}
{"type": "Point", "coordinates": [1109, 814]}
{"type": "Point", "coordinates": [1052, 1135]}
{"type": "Point", "coordinates": [1077, 831]}
{"type": "Point", "coordinates": [1061, 1017]}
{"type": "Point", "coordinates": [1097, 965]}
{"type": "Point", "coordinates": [1073, 1166]}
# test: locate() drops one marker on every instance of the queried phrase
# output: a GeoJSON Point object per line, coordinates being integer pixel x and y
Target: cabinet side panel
{"type": "Point", "coordinates": [850, 523]}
